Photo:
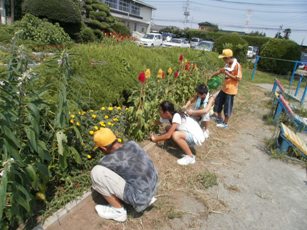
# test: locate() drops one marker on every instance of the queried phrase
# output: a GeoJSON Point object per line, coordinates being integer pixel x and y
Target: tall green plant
{"type": "Point", "coordinates": [32, 139]}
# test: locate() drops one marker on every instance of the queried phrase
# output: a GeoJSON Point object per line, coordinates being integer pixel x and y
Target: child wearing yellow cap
{"type": "Point", "coordinates": [125, 173]}
{"type": "Point", "coordinates": [225, 98]}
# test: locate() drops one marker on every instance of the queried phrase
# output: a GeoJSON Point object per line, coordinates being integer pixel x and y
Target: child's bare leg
{"type": "Point", "coordinates": [180, 139]}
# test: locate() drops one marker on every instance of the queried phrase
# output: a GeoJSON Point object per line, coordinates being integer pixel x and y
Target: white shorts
{"type": "Point", "coordinates": [205, 117]}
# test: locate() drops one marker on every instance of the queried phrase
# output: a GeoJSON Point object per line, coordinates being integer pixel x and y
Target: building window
{"type": "Point", "coordinates": [135, 9]}
{"type": "Point", "coordinates": [111, 3]}
{"type": "Point", "coordinates": [124, 5]}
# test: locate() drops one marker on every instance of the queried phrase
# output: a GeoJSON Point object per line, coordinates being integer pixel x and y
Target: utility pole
{"type": "Point", "coordinates": [186, 13]}
{"type": "Point", "coordinates": [248, 19]}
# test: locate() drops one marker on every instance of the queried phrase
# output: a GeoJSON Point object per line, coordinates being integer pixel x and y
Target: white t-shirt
{"type": "Point", "coordinates": [188, 124]}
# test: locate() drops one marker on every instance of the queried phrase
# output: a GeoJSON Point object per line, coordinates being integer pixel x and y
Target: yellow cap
{"type": "Point", "coordinates": [226, 53]}
{"type": "Point", "coordinates": [104, 137]}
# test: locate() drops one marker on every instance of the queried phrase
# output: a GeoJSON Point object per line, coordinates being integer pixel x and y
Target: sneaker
{"type": "Point", "coordinates": [186, 160]}
{"type": "Point", "coordinates": [111, 213]}
{"type": "Point", "coordinates": [206, 133]}
{"type": "Point", "coordinates": [222, 125]}
{"type": "Point", "coordinates": [153, 200]}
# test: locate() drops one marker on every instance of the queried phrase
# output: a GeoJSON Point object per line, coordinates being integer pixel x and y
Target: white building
{"type": "Point", "coordinates": [135, 14]}
{"type": "Point", "coordinates": [2, 12]}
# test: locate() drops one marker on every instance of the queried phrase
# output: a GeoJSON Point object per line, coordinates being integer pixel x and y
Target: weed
{"type": "Point", "coordinates": [206, 179]}
{"type": "Point", "coordinates": [173, 213]}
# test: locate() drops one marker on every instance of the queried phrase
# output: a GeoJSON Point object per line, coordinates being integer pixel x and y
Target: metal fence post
{"type": "Point", "coordinates": [298, 85]}
{"type": "Point", "coordinates": [293, 73]}
{"type": "Point", "coordinates": [255, 67]}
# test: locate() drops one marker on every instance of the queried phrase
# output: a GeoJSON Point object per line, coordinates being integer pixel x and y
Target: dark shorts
{"type": "Point", "coordinates": [224, 100]}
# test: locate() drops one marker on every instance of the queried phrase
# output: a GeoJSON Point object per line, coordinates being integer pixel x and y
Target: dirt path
{"type": "Point", "coordinates": [254, 191]}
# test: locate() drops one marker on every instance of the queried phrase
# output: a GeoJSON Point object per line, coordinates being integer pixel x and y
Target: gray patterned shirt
{"type": "Point", "coordinates": [135, 167]}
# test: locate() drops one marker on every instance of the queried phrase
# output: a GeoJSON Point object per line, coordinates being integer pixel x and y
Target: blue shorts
{"type": "Point", "coordinates": [189, 138]}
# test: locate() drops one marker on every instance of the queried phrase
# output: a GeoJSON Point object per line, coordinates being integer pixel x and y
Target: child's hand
{"type": "Point", "coordinates": [152, 138]}
{"type": "Point", "coordinates": [190, 112]}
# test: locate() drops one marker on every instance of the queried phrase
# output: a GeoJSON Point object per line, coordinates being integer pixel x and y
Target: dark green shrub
{"type": "Point", "coordinates": [256, 40]}
{"type": "Point", "coordinates": [282, 49]}
{"type": "Point", "coordinates": [211, 36]}
{"type": "Point", "coordinates": [121, 28]}
{"type": "Point", "coordinates": [99, 19]}
{"type": "Point", "coordinates": [65, 12]}
{"type": "Point", "coordinates": [41, 31]}
{"type": "Point", "coordinates": [87, 35]}
{"type": "Point", "coordinates": [235, 42]}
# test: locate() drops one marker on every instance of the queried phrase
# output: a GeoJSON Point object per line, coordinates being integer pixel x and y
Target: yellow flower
{"type": "Point", "coordinates": [110, 123]}
{"type": "Point", "coordinates": [72, 121]}
{"type": "Point", "coordinates": [94, 116]}
{"type": "Point", "coordinates": [119, 108]}
{"type": "Point", "coordinates": [102, 123]}
{"type": "Point", "coordinates": [119, 140]}
{"type": "Point", "coordinates": [147, 73]}
{"type": "Point", "coordinates": [160, 74]}
{"type": "Point", "coordinates": [78, 123]}
{"type": "Point", "coordinates": [91, 132]}
{"type": "Point", "coordinates": [110, 108]}
{"type": "Point", "coordinates": [72, 116]}
{"type": "Point", "coordinates": [169, 71]}
{"type": "Point", "coordinates": [96, 127]}
{"type": "Point", "coordinates": [115, 119]}
{"type": "Point", "coordinates": [91, 111]}
{"type": "Point", "coordinates": [106, 117]}
{"type": "Point", "coordinates": [89, 156]}
{"type": "Point", "coordinates": [102, 108]}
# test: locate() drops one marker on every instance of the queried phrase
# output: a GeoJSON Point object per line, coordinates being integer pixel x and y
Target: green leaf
{"type": "Point", "coordinates": [75, 154]}
{"type": "Point", "coordinates": [33, 176]}
{"type": "Point", "coordinates": [32, 138]}
{"type": "Point", "coordinates": [77, 132]}
{"type": "Point", "coordinates": [34, 110]}
{"type": "Point", "coordinates": [11, 136]}
{"type": "Point", "coordinates": [43, 172]}
{"type": "Point", "coordinates": [61, 137]}
{"type": "Point", "coordinates": [3, 189]}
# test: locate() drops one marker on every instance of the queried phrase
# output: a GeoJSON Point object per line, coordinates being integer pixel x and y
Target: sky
{"type": "Point", "coordinates": [240, 15]}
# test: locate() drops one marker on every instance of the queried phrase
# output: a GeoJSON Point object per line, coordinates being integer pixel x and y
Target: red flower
{"type": "Point", "coordinates": [187, 66]}
{"type": "Point", "coordinates": [142, 77]}
{"type": "Point", "coordinates": [176, 74]}
{"type": "Point", "coordinates": [180, 58]}
{"type": "Point", "coordinates": [163, 75]}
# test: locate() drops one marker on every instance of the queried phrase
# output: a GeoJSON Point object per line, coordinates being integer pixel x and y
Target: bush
{"type": "Point", "coordinates": [65, 12]}
{"type": "Point", "coordinates": [235, 42]}
{"type": "Point", "coordinates": [256, 40]}
{"type": "Point", "coordinates": [121, 28]}
{"type": "Point", "coordinates": [6, 33]}
{"type": "Point", "coordinates": [282, 49]}
{"type": "Point", "coordinates": [43, 32]}
{"type": "Point", "coordinates": [87, 35]}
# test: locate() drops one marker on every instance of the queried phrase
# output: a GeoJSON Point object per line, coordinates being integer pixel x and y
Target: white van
{"type": "Point", "coordinates": [151, 40]}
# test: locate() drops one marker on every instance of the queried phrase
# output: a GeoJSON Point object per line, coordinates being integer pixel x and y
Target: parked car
{"type": "Point", "coordinates": [303, 65]}
{"type": "Point", "coordinates": [195, 42]}
{"type": "Point", "coordinates": [167, 36]}
{"type": "Point", "coordinates": [205, 45]}
{"type": "Point", "coordinates": [252, 51]}
{"type": "Point", "coordinates": [151, 40]}
{"type": "Point", "coordinates": [177, 42]}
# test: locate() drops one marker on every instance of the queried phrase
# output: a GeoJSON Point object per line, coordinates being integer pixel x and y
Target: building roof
{"type": "Point", "coordinates": [144, 4]}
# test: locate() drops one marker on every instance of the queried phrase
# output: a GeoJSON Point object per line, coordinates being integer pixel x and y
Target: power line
{"type": "Point", "coordinates": [255, 27]}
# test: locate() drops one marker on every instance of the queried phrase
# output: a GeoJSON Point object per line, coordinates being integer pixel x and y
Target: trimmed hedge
{"type": "Point", "coordinates": [235, 42]}
{"type": "Point", "coordinates": [66, 12]}
{"type": "Point", "coordinates": [282, 49]}
{"type": "Point", "coordinates": [101, 72]}
{"type": "Point", "coordinates": [256, 40]}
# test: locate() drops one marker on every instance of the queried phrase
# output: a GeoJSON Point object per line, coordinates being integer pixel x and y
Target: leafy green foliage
{"type": "Point", "coordinates": [282, 49]}
{"type": "Point", "coordinates": [258, 41]}
{"type": "Point", "coordinates": [235, 42]}
{"type": "Point", "coordinates": [32, 154]}
{"type": "Point", "coordinates": [43, 32]}
{"type": "Point", "coordinates": [66, 12]}
{"type": "Point", "coordinates": [97, 17]}
{"type": "Point", "coordinates": [6, 33]}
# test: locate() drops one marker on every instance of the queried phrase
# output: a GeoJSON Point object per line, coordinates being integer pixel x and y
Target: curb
{"type": "Point", "coordinates": [61, 213]}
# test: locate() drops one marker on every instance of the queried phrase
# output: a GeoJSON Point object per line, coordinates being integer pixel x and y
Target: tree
{"type": "Point", "coordinates": [65, 12]}
{"type": "Point", "coordinates": [287, 33]}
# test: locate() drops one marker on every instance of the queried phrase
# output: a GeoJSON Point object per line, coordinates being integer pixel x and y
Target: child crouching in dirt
{"type": "Point", "coordinates": [184, 131]}
{"type": "Point", "coordinates": [203, 106]}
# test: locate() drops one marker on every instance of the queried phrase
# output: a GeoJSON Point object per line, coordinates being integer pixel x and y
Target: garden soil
{"type": "Point", "coordinates": [253, 191]}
